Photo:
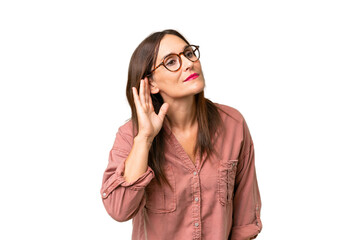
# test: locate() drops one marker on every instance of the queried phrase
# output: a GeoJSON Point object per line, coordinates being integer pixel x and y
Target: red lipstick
{"type": "Point", "coordinates": [191, 77]}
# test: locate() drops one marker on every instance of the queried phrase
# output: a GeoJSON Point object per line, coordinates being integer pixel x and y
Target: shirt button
{"type": "Point", "coordinates": [196, 199]}
{"type": "Point", "coordinates": [104, 194]}
{"type": "Point", "coordinates": [257, 223]}
{"type": "Point", "coordinates": [195, 173]}
{"type": "Point", "coordinates": [196, 224]}
{"type": "Point", "coordinates": [234, 164]}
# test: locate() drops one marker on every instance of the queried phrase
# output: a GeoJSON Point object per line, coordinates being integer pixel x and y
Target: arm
{"type": "Point", "coordinates": [126, 177]}
{"type": "Point", "coordinates": [247, 201]}
{"type": "Point", "coordinates": [128, 173]}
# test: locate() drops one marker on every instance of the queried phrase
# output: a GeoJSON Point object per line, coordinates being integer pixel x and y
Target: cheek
{"type": "Point", "coordinates": [166, 79]}
{"type": "Point", "coordinates": [197, 65]}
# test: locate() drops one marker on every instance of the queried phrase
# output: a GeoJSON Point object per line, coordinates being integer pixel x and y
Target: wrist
{"type": "Point", "coordinates": [140, 139]}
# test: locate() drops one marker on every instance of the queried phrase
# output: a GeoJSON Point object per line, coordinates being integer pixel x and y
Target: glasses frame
{"type": "Point", "coordinates": [179, 56]}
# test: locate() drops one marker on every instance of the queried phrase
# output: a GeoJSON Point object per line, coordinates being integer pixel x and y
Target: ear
{"type": "Point", "coordinates": [153, 88]}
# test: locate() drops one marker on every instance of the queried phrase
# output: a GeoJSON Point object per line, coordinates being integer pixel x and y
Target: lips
{"type": "Point", "coordinates": [191, 77]}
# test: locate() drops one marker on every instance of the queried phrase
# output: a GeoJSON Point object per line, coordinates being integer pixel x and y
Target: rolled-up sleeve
{"type": "Point", "coordinates": [247, 202]}
{"type": "Point", "coordinates": [121, 199]}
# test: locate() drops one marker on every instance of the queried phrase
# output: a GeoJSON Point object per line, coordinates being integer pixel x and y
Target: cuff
{"type": "Point", "coordinates": [117, 179]}
{"type": "Point", "coordinates": [246, 232]}
{"type": "Point", "coordinates": [249, 231]}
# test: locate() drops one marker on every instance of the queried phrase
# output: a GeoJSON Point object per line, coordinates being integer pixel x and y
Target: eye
{"type": "Point", "coordinates": [171, 61]}
{"type": "Point", "coordinates": [189, 53]}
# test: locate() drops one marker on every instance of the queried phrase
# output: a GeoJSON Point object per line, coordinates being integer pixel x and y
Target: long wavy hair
{"type": "Point", "coordinates": [207, 113]}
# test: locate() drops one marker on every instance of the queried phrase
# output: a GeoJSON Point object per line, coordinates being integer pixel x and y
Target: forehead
{"type": "Point", "coordinates": [170, 44]}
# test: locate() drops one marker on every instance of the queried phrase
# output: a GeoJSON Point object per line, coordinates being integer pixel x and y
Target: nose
{"type": "Point", "coordinates": [186, 63]}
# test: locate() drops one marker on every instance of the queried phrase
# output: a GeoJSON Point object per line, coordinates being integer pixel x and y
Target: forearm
{"type": "Point", "coordinates": [122, 196]}
{"type": "Point", "coordinates": [136, 163]}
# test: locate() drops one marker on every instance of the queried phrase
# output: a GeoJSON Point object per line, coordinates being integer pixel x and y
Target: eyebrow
{"type": "Point", "coordinates": [173, 53]}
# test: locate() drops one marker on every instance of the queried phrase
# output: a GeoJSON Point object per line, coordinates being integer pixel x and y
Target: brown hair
{"type": "Point", "coordinates": [208, 117]}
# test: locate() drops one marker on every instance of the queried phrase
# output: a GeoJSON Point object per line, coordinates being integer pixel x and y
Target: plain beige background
{"type": "Point", "coordinates": [290, 67]}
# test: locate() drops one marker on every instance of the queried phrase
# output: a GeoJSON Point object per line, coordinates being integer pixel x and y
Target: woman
{"type": "Point", "coordinates": [183, 166]}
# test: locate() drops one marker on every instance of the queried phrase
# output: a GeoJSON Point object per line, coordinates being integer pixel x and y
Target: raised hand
{"type": "Point", "coordinates": [149, 122]}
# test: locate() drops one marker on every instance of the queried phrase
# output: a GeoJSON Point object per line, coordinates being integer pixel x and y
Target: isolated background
{"type": "Point", "coordinates": [290, 67]}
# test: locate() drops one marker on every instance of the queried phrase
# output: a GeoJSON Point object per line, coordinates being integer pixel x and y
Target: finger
{"type": "Point", "coordinates": [150, 99]}
{"type": "Point", "coordinates": [146, 91]}
{"type": "Point", "coordinates": [142, 95]}
{"type": "Point", "coordinates": [136, 98]}
{"type": "Point", "coordinates": [150, 103]}
{"type": "Point", "coordinates": [163, 110]}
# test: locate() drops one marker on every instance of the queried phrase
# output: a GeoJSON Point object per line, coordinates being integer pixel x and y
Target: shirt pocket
{"type": "Point", "coordinates": [161, 199]}
{"type": "Point", "coordinates": [226, 180]}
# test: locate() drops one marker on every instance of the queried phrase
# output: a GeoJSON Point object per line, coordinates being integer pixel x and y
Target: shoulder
{"type": "Point", "coordinates": [236, 127]}
{"type": "Point", "coordinates": [126, 129]}
{"type": "Point", "coordinates": [124, 136]}
{"type": "Point", "coordinates": [229, 113]}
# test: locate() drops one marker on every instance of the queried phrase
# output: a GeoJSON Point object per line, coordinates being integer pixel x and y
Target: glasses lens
{"type": "Point", "coordinates": [192, 53]}
{"type": "Point", "coordinates": [172, 62]}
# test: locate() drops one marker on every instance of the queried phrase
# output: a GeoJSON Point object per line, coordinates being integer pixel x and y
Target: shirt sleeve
{"type": "Point", "coordinates": [247, 201]}
{"type": "Point", "coordinates": [122, 200]}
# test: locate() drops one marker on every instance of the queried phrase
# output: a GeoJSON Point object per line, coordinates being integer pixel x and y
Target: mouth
{"type": "Point", "coordinates": [191, 77]}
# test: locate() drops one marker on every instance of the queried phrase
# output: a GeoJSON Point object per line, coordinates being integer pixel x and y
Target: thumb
{"type": "Point", "coordinates": [163, 110]}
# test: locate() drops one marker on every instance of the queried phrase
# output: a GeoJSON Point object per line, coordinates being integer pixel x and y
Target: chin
{"type": "Point", "coordinates": [201, 85]}
{"type": "Point", "coordinates": [199, 90]}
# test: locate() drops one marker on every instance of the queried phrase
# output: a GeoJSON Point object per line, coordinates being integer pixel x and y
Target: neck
{"type": "Point", "coordinates": [181, 114]}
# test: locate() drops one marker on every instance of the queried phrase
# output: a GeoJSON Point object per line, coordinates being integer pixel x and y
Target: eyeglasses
{"type": "Point", "coordinates": [172, 62]}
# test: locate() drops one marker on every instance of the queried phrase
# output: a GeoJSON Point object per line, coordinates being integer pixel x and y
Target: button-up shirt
{"type": "Point", "coordinates": [213, 199]}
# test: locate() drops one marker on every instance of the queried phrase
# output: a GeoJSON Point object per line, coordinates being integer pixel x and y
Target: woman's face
{"type": "Point", "coordinates": [172, 85]}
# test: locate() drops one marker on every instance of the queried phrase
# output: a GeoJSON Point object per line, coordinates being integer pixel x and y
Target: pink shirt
{"type": "Point", "coordinates": [216, 199]}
